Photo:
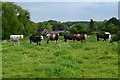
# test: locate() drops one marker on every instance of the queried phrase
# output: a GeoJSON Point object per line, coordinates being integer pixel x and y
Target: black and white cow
{"type": "Point", "coordinates": [104, 36]}
{"type": "Point", "coordinates": [35, 39]}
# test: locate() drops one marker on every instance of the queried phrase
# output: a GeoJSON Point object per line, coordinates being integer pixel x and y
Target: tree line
{"type": "Point", "coordinates": [16, 20]}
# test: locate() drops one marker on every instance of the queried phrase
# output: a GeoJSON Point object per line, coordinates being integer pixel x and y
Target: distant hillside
{"type": "Point", "coordinates": [75, 22]}
{"type": "Point", "coordinates": [85, 22]}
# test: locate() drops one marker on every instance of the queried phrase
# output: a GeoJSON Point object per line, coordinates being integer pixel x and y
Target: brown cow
{"type": "Point", "coordinates": [79, 37]}
{"type": "Point", "coordinates": [53, 37]}
{"type": "Point", "coordinates": [74, 37]}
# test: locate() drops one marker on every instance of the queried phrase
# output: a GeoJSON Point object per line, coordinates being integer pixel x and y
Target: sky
{"type": "Point", "coordinates": [70, 11]}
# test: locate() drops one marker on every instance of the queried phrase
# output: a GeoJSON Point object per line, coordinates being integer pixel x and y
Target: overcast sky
{"type": "Point", "coordinates": [70, 11]}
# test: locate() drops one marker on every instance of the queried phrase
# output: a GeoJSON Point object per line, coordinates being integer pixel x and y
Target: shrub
{"type": "Point", "coordinates": [116, 37]}
{"type": "Point", "coordinates": [64, 33]}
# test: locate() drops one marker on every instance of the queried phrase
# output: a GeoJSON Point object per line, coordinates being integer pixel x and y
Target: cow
{"type": "Point", "coordinates": [35, 39]}
{"type": "Point", "coordinates": [79, 37]}
{"type": "Point", "coordinates": [104, 36]}
{"type": "Point", "coordinates": [52, 37]}
{"type": "Point", "coordinates": [74, 37]}
{"type": "Point", "coordinates": [16, 38]}
{"type": "Point", "coordinates": [68, 37]}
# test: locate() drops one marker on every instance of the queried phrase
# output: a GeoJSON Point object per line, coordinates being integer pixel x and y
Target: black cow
{"type": "Point", "coordinates": [74, 37]}
{"type": "Point", "coordinates": [35, 39]}
{"type": "Point", "coordinates": [68, 37]}
{"type": "Point", "coordinates": [104, 36]}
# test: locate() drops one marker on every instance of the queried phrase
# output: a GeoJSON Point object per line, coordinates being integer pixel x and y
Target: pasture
{"type": "Point", "coordinates": [90, 59]}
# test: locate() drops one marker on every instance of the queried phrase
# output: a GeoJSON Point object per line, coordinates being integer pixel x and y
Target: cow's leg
{"type": "Point", "coordinates": [18, 41]}
{"type": "Point", "coordinates": [56, 41]}
{"type": "Point", "coordinates": [39, 43]}
{"type": "Point", "coordinates": [73, 41]}
{"type": "Point", "coordinates": [84, 40]}
{"type": "Point", "coordinates": [65, 40]}
{"type": "Point", "coordinates": [30, 41]}
{"type": "Point", "coordinates": [81, 41]}
{"type": "Point", "coordinates": [48, 41]}
{"type": "Point", "coordinates": [104, 39]}
{"type": "Point", "coordinates": [97, 39]}
{"type": "Point", "coordinates": [14, 43]}
{"type": "Point", "coordinates": [11, 41]}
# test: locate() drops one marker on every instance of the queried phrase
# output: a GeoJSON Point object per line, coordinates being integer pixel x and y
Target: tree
{"type": "Point", "coordinates": [92, 25]}
{"type": "Point", "coordinates": [57, 25]}
{"type": "Point", "coordinates": [113, 20]}
{"type": "Point", "coordinates": [44, 25]}
{"type": "Point", "coordinates": [79, 28]}
{"type": "Point", "coordinates": [73, 30]}
{"type": "Point", "coordinates": [112, 28]}
{"type": "Point", "coordinates": [112, 25]}
{"type": "Point", "coordinates": [116, 37]}
{"type": "Point", "coordinates": [15, 20]}
{"type": "Point", "coordinates": [34, 28]}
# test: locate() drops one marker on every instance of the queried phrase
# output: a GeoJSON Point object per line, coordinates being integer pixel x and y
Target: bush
{"type": "Point", "coordinates": [64, 33]}
{"type": "Point", "coordinates": [116, 37]}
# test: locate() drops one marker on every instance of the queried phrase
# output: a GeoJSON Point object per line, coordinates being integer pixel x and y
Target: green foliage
{"type": "Point", "coordinates": [51, 25]}
{"type": "Point", "coordinates": [45, 25]}
{"type": "Point", "coordinates": [113, 20]}
{"type": "Point", "coordinates": [73, 30]}
{"type": "Point", "coordinates": [116, 37]}
{"type": "Point", "coordinates": [70, 23]}
{"type": "Point", "coordinates": [64, 33]}
{"type": "Point", "coordinates": [101, 26]}
{"type": "Point", "coordinates": [57, 25]}
{"type": "Point", "coordinates": [15, 20]}
{"type": "Point", "coordinates": [79, 29]}
{"type": "Point", "coordinates": [111, 25]}
{"type": "Point", "coordinates": [112, 28]}
{"type": "Point", "coordinates": [34, 28]}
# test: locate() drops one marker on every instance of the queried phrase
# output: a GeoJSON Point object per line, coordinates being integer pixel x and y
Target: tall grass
{"type": "Point", "coordinates": [90, 59]}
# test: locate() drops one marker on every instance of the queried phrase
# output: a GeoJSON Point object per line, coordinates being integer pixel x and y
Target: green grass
{"type": "Point", "coordinates": [90, 59]}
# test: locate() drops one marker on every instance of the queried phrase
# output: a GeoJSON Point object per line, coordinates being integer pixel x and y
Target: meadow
{"type": "Point", "coordinates": [90, 59]}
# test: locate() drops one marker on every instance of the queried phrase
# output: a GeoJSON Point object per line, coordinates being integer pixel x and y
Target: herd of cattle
{"type": "Point", "coordinates": [55, 37]}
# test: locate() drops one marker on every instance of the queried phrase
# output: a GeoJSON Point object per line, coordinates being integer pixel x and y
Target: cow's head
{"type": "Point", "coordinates": [21, 36]}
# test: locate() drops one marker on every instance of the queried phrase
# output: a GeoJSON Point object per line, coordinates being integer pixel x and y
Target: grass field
{"type": "Point", "coordinates": [90, 59]}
